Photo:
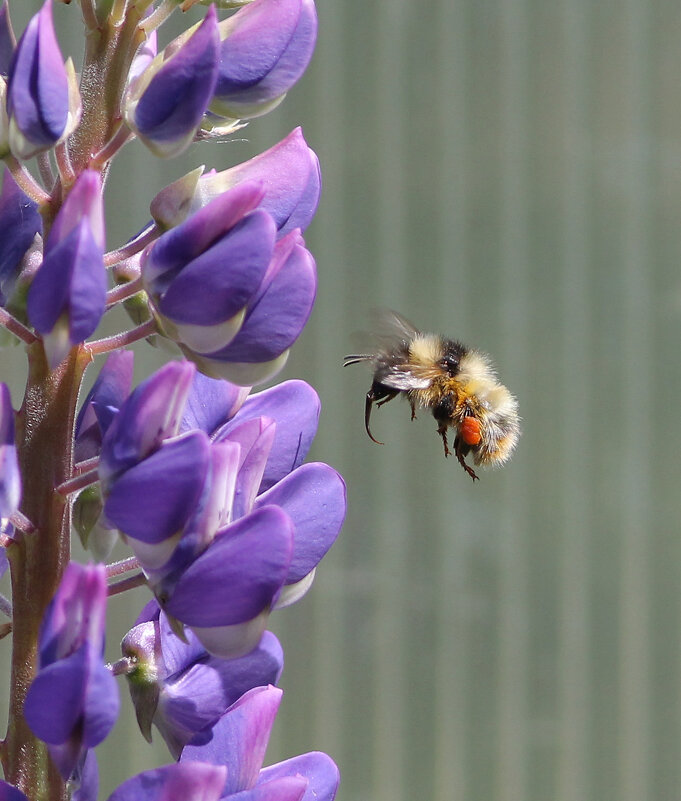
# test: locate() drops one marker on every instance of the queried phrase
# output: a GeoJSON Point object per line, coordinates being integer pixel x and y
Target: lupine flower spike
{"type": "Point", "coordinates": [202, 480]}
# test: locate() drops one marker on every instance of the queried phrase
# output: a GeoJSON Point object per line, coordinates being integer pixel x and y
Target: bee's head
{"type": "Point", "coordinates": [451, 356]}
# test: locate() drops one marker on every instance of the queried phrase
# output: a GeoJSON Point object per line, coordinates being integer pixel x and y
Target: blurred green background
{"type": "Point", "coordinates": [507, 172]}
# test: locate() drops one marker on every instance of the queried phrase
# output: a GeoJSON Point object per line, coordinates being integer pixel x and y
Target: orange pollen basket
{"type": "Point", "coordinates": [470, 431]}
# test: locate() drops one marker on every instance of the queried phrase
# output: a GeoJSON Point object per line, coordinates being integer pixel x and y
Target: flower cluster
{"type": "Point", "coordinates": [203, 479]}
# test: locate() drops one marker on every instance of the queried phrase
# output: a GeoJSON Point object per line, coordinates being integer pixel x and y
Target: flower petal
{"type": "Point", "coordinates": [294, 406]}
{"type": "Point", "coordinates": [54, 701]}
{"type": "Point", "coordinates": [38, 90]}
{"type": "Point", "coordinates": [276, 318]}
{"type": "Point", "coordinates": [219, 282]}
{"type": "Point", "coordinates": [185, 781]}
{"type": "Point", "coordinates": [240, 738]}
{"type": "Point", "coordinates": [211, 403]}
{"type": "Point", "coordinates": [155, 498]}
{"type": "Point", "coordinates": [318, 768]}
{"type": "Point", "coordinates": [239, 575]}
{"type": "Point", "coordinates": [313, 496]}
{"type": "Point", "coordinates": [151, 414]}
{"type": "Point", "coordinates": [172, 104]}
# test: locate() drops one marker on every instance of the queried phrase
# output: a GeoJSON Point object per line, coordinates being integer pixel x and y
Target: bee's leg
{"type": "Point", "coordinates": [412, 403]}
{"type": "Point", "coordinates": [442, 431]}
{"type": "Point", "coordinates": [377, 394]}
{"type": "Point", "coordinates": [442, 412]}
{"type": "Point", "coordinates": [458, 450]}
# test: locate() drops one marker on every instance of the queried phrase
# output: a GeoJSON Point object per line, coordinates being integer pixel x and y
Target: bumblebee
{"type": "Point", "coordinates": [458, 385]}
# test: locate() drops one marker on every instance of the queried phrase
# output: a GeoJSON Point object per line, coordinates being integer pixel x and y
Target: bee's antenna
{"type": "Point", "coordinates": [355, 358]}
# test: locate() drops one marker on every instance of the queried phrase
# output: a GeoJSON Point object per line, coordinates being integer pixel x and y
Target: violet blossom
{"type": "Point", "coordinates": [43, 103]}
{"type": "Point", "coordinates": [223, 533]}
{"type": "Point", "coordinates": [67, 298]}
{"type": "Point", "coordinates": [72, 703]}
{"type": "Point", "coordinates": [206, 483]}
{"type": "Point", "coordinates": [183, 690]}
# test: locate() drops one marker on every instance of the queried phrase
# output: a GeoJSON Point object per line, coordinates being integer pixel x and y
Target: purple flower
{"type": "Point", "coordinates": [188, 781]}
{"type": "Point", "coordinates": [274, 318]}
{"type": "Point", "coordinates": [181, 688]}
{"type": "Point", "coordinates": [10, 475]}
{"type": "Point", "coordinates": [166, 103]}
{"type": "Point", "coordinates": [265, 48]}
{"type": "Point", "coordinates": [98, 411]}
{"type": "Point", "coordinates": [43, 103]}
{"type": "Point", "coordinates": [9, 792]}
{"type": "Point", "coordinates": [73, 702]}
{"type": "Point", "coordinates": [239, 741]}
{"type": "Point", "coordinates": [273, 430]}
{"type": "Point", "coordinates": [151, 414]}
{"type": "Point", "coordinates": [68, 295]}
{"type": "Point", "coordinates": [220, 512]}
{"type": "Point", "coordinates": [20, 221]}
{"type": "Point", "coordinates": [102, 403]}
{"type": "Point", "coordinates": [202, 274]}
{"type": "Point", "coordinates": [288, 172]}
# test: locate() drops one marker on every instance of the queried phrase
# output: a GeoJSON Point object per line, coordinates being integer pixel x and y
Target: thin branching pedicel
{"type": "Point", "coordinates": [203, 480]}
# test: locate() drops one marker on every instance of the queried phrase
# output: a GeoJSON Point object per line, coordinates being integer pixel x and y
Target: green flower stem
{"type": "Point", "coordinates": [86, 465]}
{"type": "Point", "coordinates": [89, 14]}
{"type": "Point", "coordinates": [138, 580]}
{"type": "Point", "coordinates": [159, 15]}
{"type": "Point", "coordinates": [45, 447]}
{"type": "Point", "coordinates": [124, 566]}
{"type": "Point", "coordinates": [77, 482]}
{"type": "Point", "coordinates": [26, 181]}
{"type": "Point", "coordinates": [134, 247]}
{"type": "Point", "coordinates": [109, 51]}
{"type": "Point", "coordinates": [15, 327]}
{"type": "Point", "coordinates": [118, 341]}
{"type": "Point", "coordinates": [45, 170]}
{"type": "Point", "coordinates": [123, 292]}
{"type": "Point", "coordinates": [122, 135]}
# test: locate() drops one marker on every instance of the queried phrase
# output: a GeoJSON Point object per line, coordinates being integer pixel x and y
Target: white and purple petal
{"type": "Point", "coordinates": [101, 405]}
{"type": "Point", "coordinates": [266, 47]}
{"type": "Point", "coordinates": [277, 315]}
{"type": "Point", "coordinates": [38, 88]}
{"type": "Point", "coordinates": [10, 474]}
{"type": "Point", "coordinates": [150, 414]}
{"type": "Point", "coordinates": [294, 406]}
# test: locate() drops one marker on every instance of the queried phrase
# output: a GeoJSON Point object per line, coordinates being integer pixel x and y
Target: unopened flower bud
{"type": "Point", "coordinates": [73, 702]}
{"type": "Point", "coordinates": [289, 174]}
{"type": "Point", "coordinates": [266, 47]}
{"type": "Point", "coordinates": [68, 295]}
{"type": "Point", "coordinates": [43, 100]}
{"type": "Point", "coordinates": [166, 103]}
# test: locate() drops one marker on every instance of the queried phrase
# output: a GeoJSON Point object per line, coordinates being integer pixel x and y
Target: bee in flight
{"type": "Point", "coordinates": [456, 383]}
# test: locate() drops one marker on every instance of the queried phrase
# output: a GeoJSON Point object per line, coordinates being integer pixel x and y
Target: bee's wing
{"type": "Point", "coordinates": [391, 328]}
{"type": "Point", "coordinates": [388, 332]}
{"type": "Point", "coordinates": [403, 379]}
{"type": "Point", "coordinates": [387, 341]}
